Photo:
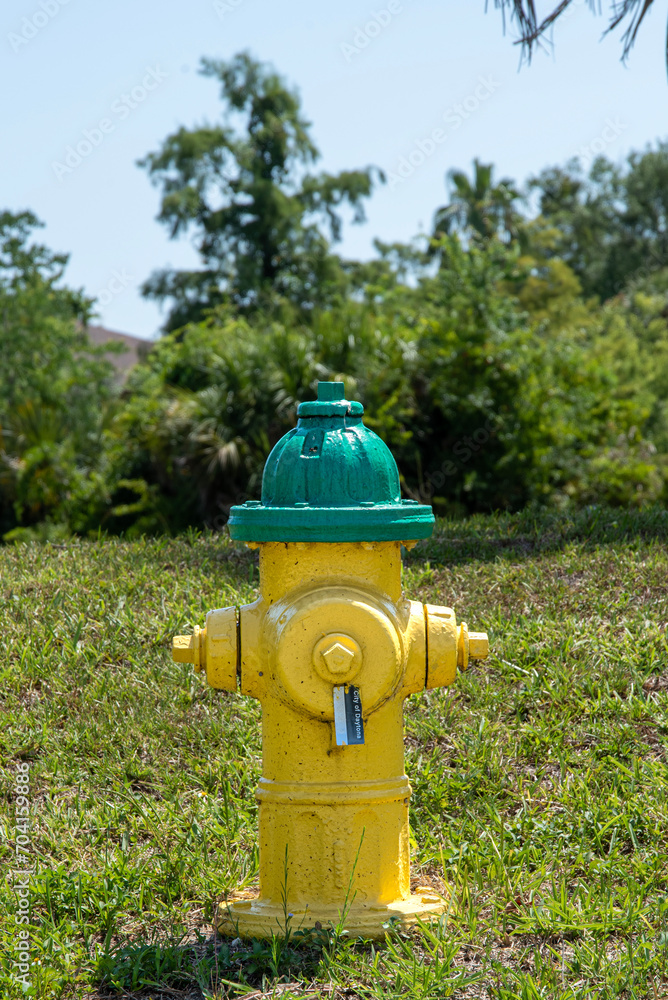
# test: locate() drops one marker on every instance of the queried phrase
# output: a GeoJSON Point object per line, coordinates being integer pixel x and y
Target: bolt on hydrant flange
{"type": "Point", "coordinates": [331, 649]}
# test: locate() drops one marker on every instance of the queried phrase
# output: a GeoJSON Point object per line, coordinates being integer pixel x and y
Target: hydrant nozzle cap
{"type": "Point", "coordinates": [331, 479]}
{"type": "Point", "coordinates": [187, 649]}
{"type": "Point", "coordinates": [478, 645]}
{"type": "Point", "coordinates": [471, 646]}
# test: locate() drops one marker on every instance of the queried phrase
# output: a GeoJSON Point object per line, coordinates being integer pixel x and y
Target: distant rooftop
{"type": "Point", "coordinates": [136, 347]}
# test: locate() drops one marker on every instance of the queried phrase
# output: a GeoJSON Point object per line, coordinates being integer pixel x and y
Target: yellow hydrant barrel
{"type": "Point", "coordinates": [331, 649]}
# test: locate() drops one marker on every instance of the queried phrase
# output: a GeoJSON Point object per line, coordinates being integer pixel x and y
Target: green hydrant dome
{"type": "Point", "coordinates": [330, 479]}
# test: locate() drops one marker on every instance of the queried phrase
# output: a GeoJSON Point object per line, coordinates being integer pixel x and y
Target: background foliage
{"type": "Point", "coordinates": [517, 356]}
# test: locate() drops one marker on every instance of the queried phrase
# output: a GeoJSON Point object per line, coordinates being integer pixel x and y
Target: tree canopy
{"type": "Point", "coordinates": [610, 225]}
{"type": "Point", "coordinates": [479, 205]}
{"type": "Point", "coordinates": [53, 383]}
{"type": "Point", "coordinates": [244, 188]}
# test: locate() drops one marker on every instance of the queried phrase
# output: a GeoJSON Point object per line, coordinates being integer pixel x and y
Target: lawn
{"type": "Point", "coordinates": [539, 779]}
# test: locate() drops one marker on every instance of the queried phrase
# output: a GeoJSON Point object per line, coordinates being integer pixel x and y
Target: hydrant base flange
{"type": "Point", "coordinates": [255, 918]}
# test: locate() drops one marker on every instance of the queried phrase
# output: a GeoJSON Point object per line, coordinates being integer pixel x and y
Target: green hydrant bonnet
{"type": "Point", "coordinates": [330, 479]}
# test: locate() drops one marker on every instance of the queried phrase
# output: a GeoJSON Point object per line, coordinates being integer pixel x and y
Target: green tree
{"type": "Point", "coordinates": [38, 316]}
{"type": "Point", "coordinates": [244, 188]}
{"type": "Point", "coordinates": [53, 383]}
{"type": "Point", "coordinates": [479, 206]}
{"type": "Point", "coordinates": [611, 224]}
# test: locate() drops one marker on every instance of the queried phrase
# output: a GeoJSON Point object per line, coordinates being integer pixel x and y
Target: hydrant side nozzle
{"type": "Point", "coordinates": [214, 648]}
{"type": "Point", "coordinates": [441, 633]}
{"type": "Point", "coordinates": [222, 648]}
{"type": "Point", "coordinates": [413, 626]}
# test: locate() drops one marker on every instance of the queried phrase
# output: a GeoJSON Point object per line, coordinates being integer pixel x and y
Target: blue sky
{"type": "Point", "coordinates": [416, 87]}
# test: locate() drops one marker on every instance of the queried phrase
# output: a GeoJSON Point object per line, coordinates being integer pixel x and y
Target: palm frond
{"type": "Point", "coordinates": [532, 30]}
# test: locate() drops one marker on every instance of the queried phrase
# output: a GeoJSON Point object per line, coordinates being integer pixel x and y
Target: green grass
{"type": "Point", "coordinates": [540, 781]}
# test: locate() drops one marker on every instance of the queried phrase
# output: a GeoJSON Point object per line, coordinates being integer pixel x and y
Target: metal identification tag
{"type": "Point", "coordinates": [348, 722]}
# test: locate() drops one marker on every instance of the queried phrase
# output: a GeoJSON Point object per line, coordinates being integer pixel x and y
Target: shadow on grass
{"type": "Point", "coordinates": [199, 968]}
{"type": "Point", "coordinates": [485, 538]}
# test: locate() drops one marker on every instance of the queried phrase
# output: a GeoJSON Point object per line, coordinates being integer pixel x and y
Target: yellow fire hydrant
{"type": "Point", "coordinates": [331, 649]}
